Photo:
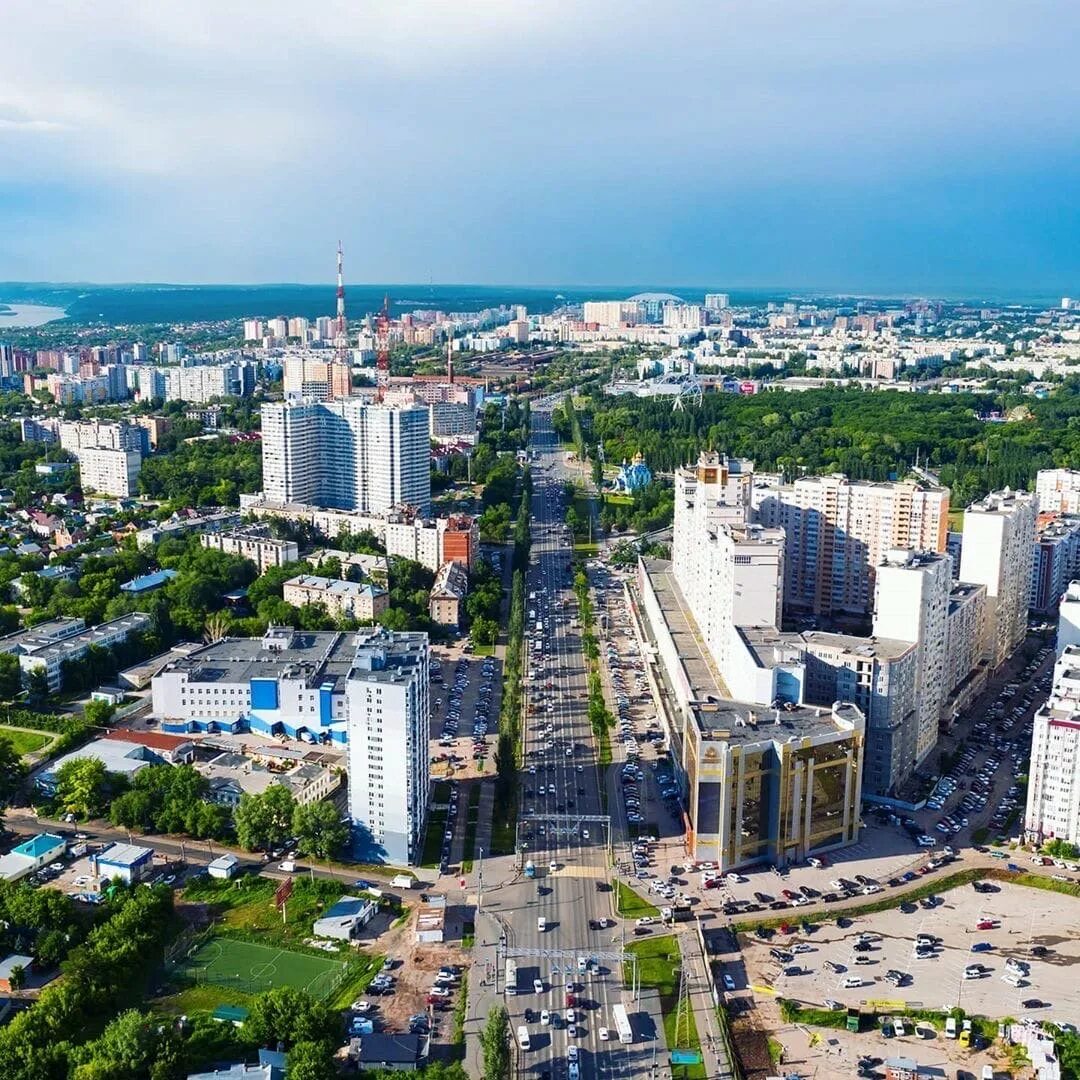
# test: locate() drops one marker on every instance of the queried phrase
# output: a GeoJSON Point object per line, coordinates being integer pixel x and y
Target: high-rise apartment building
{"type": "Point", "coordinates": [911, 603]}
{"type": "Point", "coordinates": [612, 312]}
{"type": "Point", "coordinates": [717, 301]}
{"type": "Point", "coordinates": [1069, 618]}
{"type": "Point", "coordinates": [999, 540]}
{"type": "Point", "coordinates": [839, 530]}
{"type": "Point", "coordinates": [1055, 559]}
{"type": "Point", "coordinates": [1053, 795]}
{"type": "Point", "coordinates": [388, 710]}
{"type": "Point", "coordinates": [349, 455]}
{"type": "Point", "coordinates": [110, 472]}
{"type": "Point", "coordinates": [1058, 490]}
{"type": "Point", "coordinates": [731, 572]}
{"type": "Point", "coordinates": [316, 378]}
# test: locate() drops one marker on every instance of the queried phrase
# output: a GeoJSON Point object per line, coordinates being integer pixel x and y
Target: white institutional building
{"type": "Point", "coordinates": [349, 455]}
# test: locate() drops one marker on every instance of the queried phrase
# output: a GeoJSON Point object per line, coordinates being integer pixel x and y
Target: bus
{"type": "Point", "coordinates": [511, 978]}
{"type": "Point", "coordinates": [622, 1024]}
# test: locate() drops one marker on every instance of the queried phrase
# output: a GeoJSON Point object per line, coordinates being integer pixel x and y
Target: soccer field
{"type": "Point", "coordinates": [254, 968]}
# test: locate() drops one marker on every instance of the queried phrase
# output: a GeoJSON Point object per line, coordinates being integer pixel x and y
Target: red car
{"type": "Point", "coordinates": [786, 929]}
{"type": "Point", "coordinates": [987, 924]}
{"type": "Point", "coordinates": [789, 894]}
{"type": "Point", "coordinates": [712, 883]}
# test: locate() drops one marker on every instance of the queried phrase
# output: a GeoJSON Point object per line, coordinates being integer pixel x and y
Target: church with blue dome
{"type": "Point", "coordinates": [633, 477]}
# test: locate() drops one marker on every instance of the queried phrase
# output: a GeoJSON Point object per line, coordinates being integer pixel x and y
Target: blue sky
{"type": "Point", "coordinates": [871, 145]}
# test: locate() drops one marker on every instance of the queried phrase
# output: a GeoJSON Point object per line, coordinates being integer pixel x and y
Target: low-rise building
{"type": "Point", "coordinates": [361, 601]}
{"type": "Point", "coordinates": [344, 920]}
{"type": "Point", "coordinates": [433, 541]}
{"type": "Point", "coordinates": [354, 565]}
{"type": "Point", "coordinates": [224, 867]}
{"type": "Point", "coordinates": [9, 966]}
{"type": "Point", "coordinates": [448, 595]}
{"type": "Point", "coordinates": [212, 521]}
{"type": "Point", "coordinates": [128, 862]}
{"type": "Point", "coordinates": [146, 583]}
{"type": "Point", "coordinates": [49, 653]}
{"type": "Point", "coordinates": [31, 855]}
{"type": "Point", "coordinates": [118, 755]}
{"type": "Point", "coordinates": [254, 543]}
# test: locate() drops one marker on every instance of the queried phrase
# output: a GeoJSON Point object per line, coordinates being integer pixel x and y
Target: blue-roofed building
{"type": "Point", "coordinates": [148, 582]}
{"type": "Point", "coordinates": [128, 862]}
{"type": "Point", "coordinates": [346, 918]}
{"type": "Point", "coordinates": [31, 855]}
{"type": "Point", "coordinates": [271, 1066]}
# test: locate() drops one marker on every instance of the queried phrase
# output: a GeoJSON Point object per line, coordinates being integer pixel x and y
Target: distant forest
{"type": "Point", "coordinates": [868, 435]}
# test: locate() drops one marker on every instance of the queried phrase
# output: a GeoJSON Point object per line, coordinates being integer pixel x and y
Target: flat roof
{"type": "Point", "coordinates": [42, 844]}
{"type": "Point", "coordinates": [705, 681]}
{"type": "Point", "coordinates": [716, 713]}
{"type": "Point", "coordinates": [884, 648]}
{"type": "Point", "coordinates": [124, 854]}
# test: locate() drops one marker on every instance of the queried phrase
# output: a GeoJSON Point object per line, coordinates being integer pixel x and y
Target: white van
{"type": "Point", "coordinates": [523, 1037]}
{"type": "Point", "coordinates": [541, 924]}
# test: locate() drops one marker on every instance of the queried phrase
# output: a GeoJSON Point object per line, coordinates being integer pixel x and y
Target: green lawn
{"type": "Point", "coordinates": [483, 650]}
{"type": "Point", "coordinates": [629, 904]}
{"type": "Point", "coordinates": [246, 906]}
{"type": "Point", "coordinates": [204, 998]}
{"type": "Point", "coordinates": [26, 742]}
{"type": "Point", "coordinates": [658, 961]}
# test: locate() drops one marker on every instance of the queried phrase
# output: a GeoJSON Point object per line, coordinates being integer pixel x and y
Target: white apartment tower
{"type": "Point", "coordinates": [999, 541]}
{"type": "Point", "coordinates": [731, 572]}
{"type": "Point", "coordinates": [1053, 797]}
{"type": "Point", "coordinates": [348, 454]}
{"type": "Point", "coordinates": [839, 531]}
{"type": "Point", "coordinates": [388, 731]}
{"type": "Point", "coordinates": [1069, 618]}
{"type": "Point", "coordinates": [911, 603]}
{"type": "Point", "coordinates": [1058, 490]}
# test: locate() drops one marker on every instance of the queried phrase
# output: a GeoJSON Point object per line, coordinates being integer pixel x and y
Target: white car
{"type": "Point", "coordinates": [545, 1017]}
{"type": "Point", "coordinates": [646, 920]}
{"type": "Point", "coordinates": [729, 982]}
{"type": "Point", "coordinates": [538, 986]}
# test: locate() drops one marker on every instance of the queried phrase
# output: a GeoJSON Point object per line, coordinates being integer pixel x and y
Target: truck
{"type": "Point", "coordinates": [678, 912]}
{"type": "Point", "coordinates": [622, 1024]}
{"type": "Point", "coordinates": [530, 869]}
{"type": "Point", "coordinates": [854, 1019]}
{"type": "Point", "coordinates": [403, 881]}
{"type": "Point", "coordinates": [511, 978]}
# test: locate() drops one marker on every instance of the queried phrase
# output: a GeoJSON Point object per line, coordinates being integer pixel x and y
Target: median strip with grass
{"type": "Point", "coordinates": [659, 963]}
{"type": "Point", "coordinates": [629, 905]}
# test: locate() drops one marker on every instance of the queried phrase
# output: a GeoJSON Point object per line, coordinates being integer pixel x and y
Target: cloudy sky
{"type": "Point", "coordinates": [868, 144]}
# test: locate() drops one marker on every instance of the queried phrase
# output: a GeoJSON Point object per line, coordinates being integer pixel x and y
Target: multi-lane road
{"type": "Point", "coordinates": [563, 916]}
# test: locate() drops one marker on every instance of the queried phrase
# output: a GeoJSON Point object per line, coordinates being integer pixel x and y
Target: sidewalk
{"type": "Point", "coordinates": [700, 990]}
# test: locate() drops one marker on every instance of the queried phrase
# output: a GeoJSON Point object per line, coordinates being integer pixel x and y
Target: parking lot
{"type": "Point", "coordinates": [465, 696]}
{"type": "Point", "coordinates": [1028, 951]}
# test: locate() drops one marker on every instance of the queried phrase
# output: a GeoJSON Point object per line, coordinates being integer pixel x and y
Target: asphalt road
{"type": "Point", "coordinates": [577, 892]}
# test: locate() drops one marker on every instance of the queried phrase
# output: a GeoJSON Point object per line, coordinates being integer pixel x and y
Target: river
{"type": "Point", "coordinates": [27, 315]}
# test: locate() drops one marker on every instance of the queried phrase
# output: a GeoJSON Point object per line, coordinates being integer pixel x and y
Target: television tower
{"type": "Point", "coordinates": [341, 336]}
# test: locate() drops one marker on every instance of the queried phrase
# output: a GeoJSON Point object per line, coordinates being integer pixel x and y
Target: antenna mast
{"type": "Point", "coordinates": [382, 346]}
{"type": "Point", "coordinates": [341, 336]}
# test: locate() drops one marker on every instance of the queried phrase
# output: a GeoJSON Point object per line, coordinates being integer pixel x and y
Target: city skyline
{"type": "Point", "coordinates": [828, 149]}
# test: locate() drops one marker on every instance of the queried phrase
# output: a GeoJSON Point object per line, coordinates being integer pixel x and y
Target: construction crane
{"type": "Point", "coordinates": [382, 346]}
